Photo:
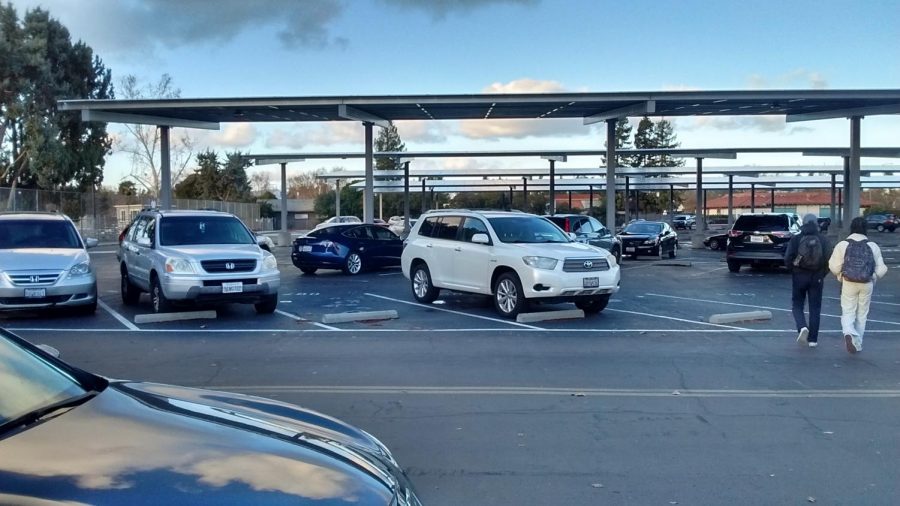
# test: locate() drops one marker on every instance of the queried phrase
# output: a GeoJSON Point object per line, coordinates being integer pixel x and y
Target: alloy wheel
{"type": "Point", "coordinates": [354, 263]}
{"type": "Point", "coordinates": [420, 283]}
{"type": "Point", "coordinates": [507, 296]}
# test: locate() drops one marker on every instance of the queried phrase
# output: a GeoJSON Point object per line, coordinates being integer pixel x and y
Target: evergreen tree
{"type": "Point", "coordinates": [643, 139]}
{"type": "Point", "coordinates": [663, 135]}
{"type": "Point", "coordinates": [388, 140]}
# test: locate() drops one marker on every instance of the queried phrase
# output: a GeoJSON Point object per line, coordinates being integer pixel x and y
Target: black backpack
{"type": "Point", "coordinates": [859, 262]}
{"type": "Point", "coordinates": [810, 253]}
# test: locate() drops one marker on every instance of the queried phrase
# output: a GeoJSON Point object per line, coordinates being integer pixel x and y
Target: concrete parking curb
{"type": "Point", "coordinates": [740, 317]}
{"type": "Point", "coordinates": [674, 263]}
{"type": "Point", "coordinates": [541, 316]}
{"type": "Point", "coordinates": [174, 317]}
{"type": "Point", "coordinates": [360, 316]}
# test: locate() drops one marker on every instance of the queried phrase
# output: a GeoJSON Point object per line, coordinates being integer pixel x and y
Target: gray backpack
{"type": "Point", "coordinates": [859, 262]}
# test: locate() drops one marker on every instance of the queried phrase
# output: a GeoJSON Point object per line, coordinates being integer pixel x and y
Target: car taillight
{"type": "Point", "coordinates": [735, 233]}
{"type": "Point", "coordinates": [122, 235]}
{"type": "Point", "coordinates": [566, 227]}
{"type": "Point", "coordinates": [781, 235]}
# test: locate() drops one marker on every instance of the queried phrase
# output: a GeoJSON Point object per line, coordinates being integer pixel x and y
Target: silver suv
{"type": "Point", "coordinates": [44, 263]}
{"type": "Point", "coordinates": [195, 256]}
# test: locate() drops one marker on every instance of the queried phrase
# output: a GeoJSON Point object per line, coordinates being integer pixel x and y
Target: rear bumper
{"type": "Point", "coordinates": [768, 256]}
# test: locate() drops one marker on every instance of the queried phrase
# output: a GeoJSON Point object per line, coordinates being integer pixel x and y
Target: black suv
{"type": "Point", "coordinates": [760, 239]}
{"type": "Point", "coordinates": [881, 222]}
{"type": "Point", "coordinates": [589, 231]}
{"type": "Point", "coordinates": [683, 221]}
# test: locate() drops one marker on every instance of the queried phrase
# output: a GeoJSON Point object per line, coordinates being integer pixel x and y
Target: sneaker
{"type": "Point", "coordinates": [851, 346]}
{"type": "Point", "coordinates": [802, 337]}
{"type": "Point", "coordinates": [857, 343]}
{"type": "Point", "coordinates": [812, 344]}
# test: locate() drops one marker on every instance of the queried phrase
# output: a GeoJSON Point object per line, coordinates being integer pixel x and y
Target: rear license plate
{"type": "Point", "coordinates": [35, 293]}
{"type": "Point", "coordinates": [305, 248]}
{"type": "Point", "coordinates": [757, 238]}
{"type": "Point", "coordinates": [630, 249]}
{"type": "Point", "coordinates": [591, 282]}
{"type": "Point", "coordinates": [232, 287]}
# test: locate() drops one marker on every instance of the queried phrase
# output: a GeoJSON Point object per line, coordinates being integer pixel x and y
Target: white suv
{"type": "Point", "coordinates": [514, 257]}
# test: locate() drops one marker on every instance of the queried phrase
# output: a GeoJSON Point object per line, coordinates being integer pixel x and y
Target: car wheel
{"type": "Point", "coordinates": [309, 270]}
{"type": "Point", "coordinates": [157, 298]}
{"type": "Point", "coordinates": [618, 254]}
{"type": "Point", "coordinates": [509, 299]}
{"type": "Point", "coordinates": [353, 265]}
{"type": "Point", "coordinates": [593, 305]}
{"type": "Point", "coordinates": [880, 228]}
{"type": "Point", "coordinates": [660, 251]}
{"type": "Point", "coordinates": [423, 290]}
{"type": "Point", "coordinates": [734, 266]}
{"type": "Point", "coordinates": [267, 305]}
{"type": "Point", "coordinates": [674, 252]}
{"type": "Point", "coordinates": [714, 244]}
{"type": "Point", "coordinates": [130, 293]}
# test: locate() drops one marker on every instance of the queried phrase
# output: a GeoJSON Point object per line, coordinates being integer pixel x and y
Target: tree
{"type": "Point", "coordinates": [351, 202]}
{"type": "Point", "coordinates": [664, 138]}
{"type": "Point", "coordinates": [41, 147]}
{"type": "Point", "coordinates": [623, 141]}
{"type": "Point", "coordinates": [655, 135]}
{"type": "Point", "coordinates": [127, 188]}
{"type": "Point", "coordinates": [388, 140]}
{"type": "Point", "coordinates": [213, 180]}
{"type": "Point", "coordinates": [261, 182]}
{"type": "Point", "coordinates": [143, 141]}
{"type": "Point", "coordinates": [307, 185]}
{"type": "Point", "coordinates": [643, 139]}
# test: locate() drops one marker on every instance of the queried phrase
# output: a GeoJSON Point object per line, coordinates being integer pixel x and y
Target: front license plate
{"type": "Point", "coordinates": [591, 282]}
{"type": "Point", "coordinates": [232, 287]}
{"type": "Point", "coordinates": [757, 238]}
{"type": "Point", "coordinates": [629, 250]}
{"type": "Point", "coordinates": [305, 248]}
{"type": "Point", "coordinates": [35, 293]}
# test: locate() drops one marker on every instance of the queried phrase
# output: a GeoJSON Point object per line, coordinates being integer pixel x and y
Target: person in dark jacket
{"type": "Point", "coordinates": [807, 258]}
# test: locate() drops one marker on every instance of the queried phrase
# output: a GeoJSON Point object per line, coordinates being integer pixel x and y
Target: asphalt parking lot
{"type": "Point", "coordinates": [645, 403]}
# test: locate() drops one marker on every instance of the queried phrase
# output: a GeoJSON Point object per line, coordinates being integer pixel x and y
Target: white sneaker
{"type": "Point", "coordinates": [857, 343]}
{"type": "Point", "coordinates": [804, 334]}
{"type": "Point", "coordinates": [812, 344]}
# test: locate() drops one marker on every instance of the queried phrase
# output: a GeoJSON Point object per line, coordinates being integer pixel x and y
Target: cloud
{"type": "Point", "coordinates": [234, 135]}
{"type": "Point", "coordinates": [525, 85]}
{"type": "Point", "coordinates": [422, 131]}
{"type": "Point", "coordinates": [129, 27]}
{"type": "Point", "coordinates": [800, 77]}
{"type": "Point", "coordinates": [438, 9]}
{"type": "Point", "coordinates": [328, 134]}
{"type": "Point", "coordinates": [497, 129]}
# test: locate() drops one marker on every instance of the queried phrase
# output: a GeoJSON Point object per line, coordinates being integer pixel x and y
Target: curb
{"type": "Point", "coordinates": [174, 317]}
{"type": "Point", "coordinates": [359, 316]}
{"type": "Point", "coordinates": [541, 316]}
{"type": "Point", "coordinates": [740, 317]}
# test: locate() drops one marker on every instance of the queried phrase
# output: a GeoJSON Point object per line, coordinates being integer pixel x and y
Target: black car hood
{"type": "Point", "coordinates": [138, 443]}
{"type": "Point", "coordinates": [643, 237]}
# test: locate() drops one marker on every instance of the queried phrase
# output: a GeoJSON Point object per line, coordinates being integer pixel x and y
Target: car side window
{"type": "Point", "coordinates": [139, 229]}
{"type": "Point", "coordinates": [150, 231]}
{"type": "Point", "coordinates": [359, 233]}
{"type": "Point", "coordinates": [449, 227]}
{"type": "Point", "coordinates": [473, 226]}
{"type": "Point", "coordinates": [428, 226]}
{"type": "Point", "coordinates": [581, 226]}
{"type": "Point", "coordinates": [383, 234]}
{"type": "Point", "coordinates": [598, 227]}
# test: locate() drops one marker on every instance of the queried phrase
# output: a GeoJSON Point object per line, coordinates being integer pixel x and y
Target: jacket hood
{"type": "Point", "coordinates": [809, 228]}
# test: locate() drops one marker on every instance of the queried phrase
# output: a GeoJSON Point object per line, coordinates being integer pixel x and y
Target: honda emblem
{"type": "Point", "coordinates": [35, 279]}
{"type": "Point", "coordinates": [229, 266]}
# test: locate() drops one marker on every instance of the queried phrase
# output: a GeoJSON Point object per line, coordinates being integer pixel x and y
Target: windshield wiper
{"type": "Point", "coordinates": [33, 416]}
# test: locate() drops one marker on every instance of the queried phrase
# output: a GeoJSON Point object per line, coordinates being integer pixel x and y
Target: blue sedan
{"type": "Point", "coordinates": [351, 248]}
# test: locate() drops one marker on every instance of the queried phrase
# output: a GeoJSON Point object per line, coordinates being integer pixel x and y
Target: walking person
{"type": "Point", "coordinates": [857, 263]}
{"type": "Point", "coordinates": [807, 259]}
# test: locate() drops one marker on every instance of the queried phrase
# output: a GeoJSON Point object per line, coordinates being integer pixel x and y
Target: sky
{"type": "Point", "coordinates": [239, 48]}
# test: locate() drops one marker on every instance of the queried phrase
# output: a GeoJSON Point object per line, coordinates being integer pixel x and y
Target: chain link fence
{"type": "Point", "coordinates": [103, 215]}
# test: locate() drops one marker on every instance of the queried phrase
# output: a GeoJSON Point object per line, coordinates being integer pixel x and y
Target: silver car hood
{"type": "Point", "coordinates": [37, 259]}
{"type": "Point", "coordinates": [215, 251]}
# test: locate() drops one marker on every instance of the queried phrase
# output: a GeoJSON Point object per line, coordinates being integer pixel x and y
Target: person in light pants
{"type": "Point", "coordinates": [855, 297]}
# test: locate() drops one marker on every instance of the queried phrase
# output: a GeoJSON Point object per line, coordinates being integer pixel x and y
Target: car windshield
{"type": "Point", "coordinates": [38, 234]}
{"type": "Point", "coordinates": [191, 230]}
{"type": "Point", "coordinates": [643, 228]}
{"type": "Point", "coordinates": [526, 229]}
{"type": "Point", "coordinates": [29, 383]}
{"type": "Point", "coordinates": [763, 223]}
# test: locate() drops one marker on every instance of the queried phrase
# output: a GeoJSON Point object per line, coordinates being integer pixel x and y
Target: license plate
{"type": "Point", "coordinates": [35, 293]}
{"type": "Point", "coordinates": [590, 282]}
{"type": "Point", "coordinates": [757, 238]}
{"type": "Point", "coordinates": [232, 287]}
{"type": "Point", "coordinates": [305, 248]}
{"type": "Point", "coordinates": [629, 249]}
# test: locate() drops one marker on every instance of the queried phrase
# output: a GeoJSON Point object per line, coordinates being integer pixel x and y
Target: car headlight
{"type": "Point", "coordinates": [651, 241]}
{"type": "Point", "coordinates": [179, 266]}
{"type": "Point", "coordinates": [80, 269]}
{"type": "Point", "coordinates": [270, 263]}
{"type": "Point", "coordinates": [541, 262]}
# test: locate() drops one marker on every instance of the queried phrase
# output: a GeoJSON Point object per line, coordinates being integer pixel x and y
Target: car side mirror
{"type": "Point", "coordinates": [481, 238]}
{"type": "Point", "coordinates": [572, 236]}
{"type": "Point", "coordinates": [91, 243]}
{"type": "Point", "coordinates": [50, 350]}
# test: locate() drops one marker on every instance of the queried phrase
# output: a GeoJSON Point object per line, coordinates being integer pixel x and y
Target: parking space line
{"type": "Point", "coordinates": [760, 307]}
{"type": "Point", "coordinates": [299, 319]}
{"type": "Point", "coordinates": [676, 319]}
{"type": "Point", "coordinates": [466, 330]}
{"type": "Point", "coordinates": [117, 316]}
{"type": "Point", "coordinates": [427, 306]}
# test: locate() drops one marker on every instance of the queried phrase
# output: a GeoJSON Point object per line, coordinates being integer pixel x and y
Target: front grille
{"type": "Point", "coordinates": [34, 279]}
{"type": "Point", "coordinates": [585, 265]}
{"type": "Point", "coordinates": [219, 266]}
{"type": "Point", "coordinates": [17, 301]}
{"type": "Point", "coordinates": [218, 282]}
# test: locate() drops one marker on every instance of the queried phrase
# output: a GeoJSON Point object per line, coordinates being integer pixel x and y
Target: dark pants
{"type": "Point", "coordinates": [807, 284]}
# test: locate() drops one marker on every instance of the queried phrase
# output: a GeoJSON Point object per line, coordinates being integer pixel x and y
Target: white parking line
{"type": "Point", "coordinates": [760, 307]}
{"type": "Point", "coordinates": [676, 319]}
{"type": "Point", "coordinates": [469, 330]}
{"type": "Point", "coordinates": [428, 306]}
{"type": "Point", "coordinates": [117, 316]}
{"type": "Point", "coordinates": [299, 319]}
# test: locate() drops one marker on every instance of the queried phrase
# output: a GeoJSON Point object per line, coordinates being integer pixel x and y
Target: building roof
{"type": "Point", "coordinates": [782, 198]}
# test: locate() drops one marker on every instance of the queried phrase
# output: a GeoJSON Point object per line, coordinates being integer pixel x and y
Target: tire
{"type": "Point", "coordinates": [353, 265]}
{"type": "Point", "coordinates": [660, 251]}
{"type": "Point", "coordinates": [674, 252]}
{"type": "Point", "coordinates": [714, 244]}
{"type": "Point", "coordinates": [158, 299]}
{"type": "Point", "coordinates": [267, 305]}
{"type": "Point", "coordinates": [422, 288]}
{"type": "Point", "coordinates": [880, 228]}
{"type": "Point", "coordinates": [130, 293]}
{"type": "Point", "coordinates": [509, 298]}
{"type": "Point", "coordinates": [593, 305]}
{"type": "Point", "coordinates": [618, 254]}
{"type": "Point", "coordinates": [309, 270]}
{"type": "Point", "coordinates": [734, 266]}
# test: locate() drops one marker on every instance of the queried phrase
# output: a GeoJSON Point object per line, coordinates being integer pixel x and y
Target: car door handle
{"type": "Point", "coordinates": [457, 249]}
{"type": "Point", "coordinates": [428, 245]}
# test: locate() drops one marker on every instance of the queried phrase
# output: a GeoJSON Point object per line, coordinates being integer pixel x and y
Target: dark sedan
{"type": "Point", "coordinates": [716, 241]}
{"type": "Point", "coordinates": [68, 436]}
{"type": "Point", "coordinates": [351, 248]}
{"type": "Point", "coordinates": [589, 231]}
{"type": "Point", "coordinates": [653, 238]}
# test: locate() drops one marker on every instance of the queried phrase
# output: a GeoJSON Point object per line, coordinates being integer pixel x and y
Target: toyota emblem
{"type": "Point", "coordinates": [588, 264]}
{"type": "Point", "coordinates": [229, 266]}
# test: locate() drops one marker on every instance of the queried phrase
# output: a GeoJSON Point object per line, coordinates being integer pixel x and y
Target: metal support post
{"type": "Point", "coordinates": [699, 222]}
{"type": "Point", "coordinates": [552, 186]}
{"type": "Point", "coordinates": [730, 200]}
{"type": "Point", "coordinates": [423, 197]}
{"type": "Point", "coordinates": [511, 197]}
{"type": "Point", "coordinates": [570, 201]}
{"type": "Point", "coordinates": [369, 197]}
{"type": "Point", "coordinates": [773, 199]}
{"type": "Point", "coordinates": [854, 194]}
{"type": "Point", "coordinates": [284, 237]}
{"type": "Point", "coordinates": [671, 202]}
{"type": "Point", "coordinates": [752, 197]}
{"type": "Point", "coordinates": [611, 173]}
{"type": "Point", "coordinates": [165, 170]}
{"type": "Point", "coordinates": [337, 197]}
{"type": "Point", "coordinates": [831, 209]}
{"type": "Point", "coordinates": [627, 199]}
{"type": "Point", "coordinates": [845, 215]}
{"type": "Point", "coordinates": [406, 196]}
{"type": "Point", "coordinates": [590, 199]}
{"type": "Point", "coordinates": [525, 193]}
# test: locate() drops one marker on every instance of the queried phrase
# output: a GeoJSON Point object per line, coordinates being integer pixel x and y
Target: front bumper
{"type": "Point", "coordinates": [80, 291]}
{"type": "Point", "coordinates": [545, 284]}
{"type": "Point", "coordinates": [254, 287]}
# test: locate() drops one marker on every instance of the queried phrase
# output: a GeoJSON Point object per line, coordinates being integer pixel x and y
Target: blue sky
{"type": "Point", "coordinates": [373, 47]}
